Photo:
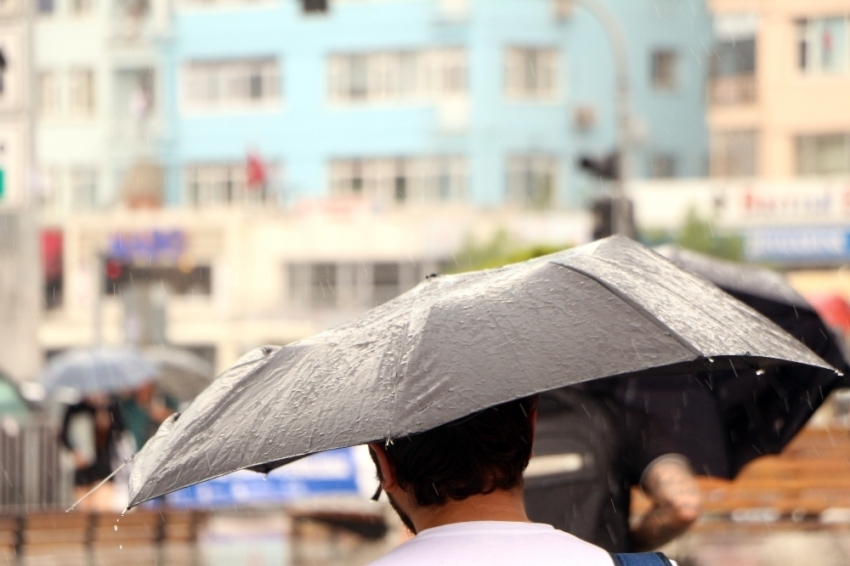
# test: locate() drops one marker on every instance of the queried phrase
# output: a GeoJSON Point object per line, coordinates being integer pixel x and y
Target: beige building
{"type": "Point", "coordinates": [234, 278]}
{"type": "Point", "coordinates": [779, 96]}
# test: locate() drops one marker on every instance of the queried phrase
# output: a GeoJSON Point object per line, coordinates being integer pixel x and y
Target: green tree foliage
{"type": "Point", "coordinates": [697, 234]}
{"type": "Point", "coordinates": [497, 252]}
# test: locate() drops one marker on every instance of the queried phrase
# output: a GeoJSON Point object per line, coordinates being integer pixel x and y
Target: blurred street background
{"type": "Point", "coordinates": [196, 178]}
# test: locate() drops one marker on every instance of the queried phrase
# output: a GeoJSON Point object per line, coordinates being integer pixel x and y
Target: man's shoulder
{"type": "Point", "coordinates": [495, 543]}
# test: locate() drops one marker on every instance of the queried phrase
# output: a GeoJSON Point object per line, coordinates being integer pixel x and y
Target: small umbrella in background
{"type": "Point", "coordinates": [101, 369]}
{"type": "Point", "coordinates": [724, 420]}
{"type": "Point", "coordinates": [455, 345]}
{"type": "Point", "coordinates": [12, 403]}
{"type": "Point", "coordinates": [182, 374]}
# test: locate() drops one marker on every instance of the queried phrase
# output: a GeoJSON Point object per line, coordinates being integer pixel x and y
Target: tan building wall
{"type": "Point", "coordinates": [250, 253]}
{"type": "Point", "coordinates": [788, 102]}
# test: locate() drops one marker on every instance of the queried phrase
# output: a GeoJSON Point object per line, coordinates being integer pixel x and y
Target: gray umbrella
{"type": "Point", "coordinates": [182, 374]}
{"type": "Point", "coordinates": [455, 345]}
{"type": "Point", "coordinates": [104, 369]}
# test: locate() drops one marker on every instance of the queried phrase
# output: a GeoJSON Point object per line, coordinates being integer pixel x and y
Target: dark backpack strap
{"type": "Point", "coordinates": [641, 559]}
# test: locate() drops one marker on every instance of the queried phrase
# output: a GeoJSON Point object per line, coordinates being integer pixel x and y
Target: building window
{"type": "Point", "coordinates": [734, 154]}
{"type": "Point", "coordinates": [53, 188]}
{"type": "Point", "coordinates": [664, 69]}
{"type": "Point", "coordinates": [397, 76]}
{"type": "Point", "coordinates": [824, 154]}
{"type": "Point", "coordinates": [823, 45]}
{"type": "Point", "coordinates": [178, 281]}
{"type": "Point", "coordinates": [244, 82]}
{"type": "Point", "coordinates": [400, 180]}
{"type": "Point", "coordinates": [348, 285]}
{"type": "Point", "coordinates": [48, 94]}
{"type": "Point", "coordinates": [81, 7]}
{"type": "Point", "coordinates": [662, 166]}
{"type": "Point", "coordinates": [323, 289]}
{"type": "Point", "coordinates": [83, 188]}
{"type": "Point", "coordinates": [532, 181]}
{"type": "Point", "coordinates": [81, 92]}
{"type": "Point", "coordinates": [212, 184]}
{"type": "Point", "coordinates": [733, 64]}
{"type": "Point", "coordinates": [45, 7]}
{"type": "Point", "coordinates": [531, 73]}
{"type": "Point", "coordinates": [386, 282]}
{"type": "Point", "coordinates": [314, 6]}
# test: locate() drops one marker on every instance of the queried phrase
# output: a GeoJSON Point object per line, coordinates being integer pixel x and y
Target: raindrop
{"type": "Point", "coordinates": [759, 372]}
{"type": "Point", "coordinates": [115, 527]}
{"type": "Point", "coordinates": [711, 360]}
{"type": "Point", "coordinates": [120, 547]}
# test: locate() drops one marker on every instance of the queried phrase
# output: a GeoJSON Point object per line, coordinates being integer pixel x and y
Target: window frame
{"type": "Point", "coordinates": [222, 85]}
{"type": "Point", "coordinates": [545, 73]}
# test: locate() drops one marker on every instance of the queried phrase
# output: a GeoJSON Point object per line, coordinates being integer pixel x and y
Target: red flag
{"type": "Point", "coordinates": [256, 174]}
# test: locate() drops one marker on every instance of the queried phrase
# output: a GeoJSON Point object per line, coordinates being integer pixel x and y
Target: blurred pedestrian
{"type": "Point", "coordinates": [143, 410]}
{"type": "Point", "coordinates": [459, 488]}
{"type": "Point", "coordinates": [589, 452]}
{"type": "Point", "coordinates": [92, 431]}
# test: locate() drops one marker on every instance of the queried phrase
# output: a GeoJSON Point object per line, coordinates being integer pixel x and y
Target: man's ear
{"type": "Point", "coordinates": [386, 470]}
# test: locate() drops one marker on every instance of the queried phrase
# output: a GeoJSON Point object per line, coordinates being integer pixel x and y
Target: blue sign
{"type": "Point", "coordinates": [326, 473]}
{"type": "Point", "coordinates": [806, 244]}
{"type": "Point", "coordinates": [150, 246]}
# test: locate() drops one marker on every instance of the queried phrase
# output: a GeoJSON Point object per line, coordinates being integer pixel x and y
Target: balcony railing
{"type": "Point", "coordinates": [732, 90]}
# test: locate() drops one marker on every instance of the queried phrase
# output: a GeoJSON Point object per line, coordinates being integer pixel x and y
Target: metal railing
{"type": "Point", "coordinates": [731, 90]}
{"type": "Point", "coordinates": [31, 472]}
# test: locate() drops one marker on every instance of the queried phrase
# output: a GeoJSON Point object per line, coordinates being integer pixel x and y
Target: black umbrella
{"type": "Point", "coordinates": [724, 420]}
{"type": "Point", "coordinates": [455, 345]}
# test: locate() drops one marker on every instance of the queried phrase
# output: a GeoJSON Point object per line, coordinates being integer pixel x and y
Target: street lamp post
{"type": "Point", "coordinates": [619, 205]}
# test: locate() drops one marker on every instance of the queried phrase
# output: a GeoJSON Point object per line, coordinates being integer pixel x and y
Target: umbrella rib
{"type": "Point", "coordinates": [638, 307]}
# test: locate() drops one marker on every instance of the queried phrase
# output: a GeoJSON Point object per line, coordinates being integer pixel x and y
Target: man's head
{"type": "Point", "coordinates": [481, 454]}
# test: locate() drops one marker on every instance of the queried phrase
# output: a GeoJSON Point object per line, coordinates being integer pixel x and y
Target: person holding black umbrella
{"type": "Point", "coordinates": [590, 450]}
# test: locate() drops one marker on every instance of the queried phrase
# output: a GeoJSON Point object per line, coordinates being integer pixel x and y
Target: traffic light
{"type": "Point", "coordinates": [603, 218]}
{"type": "Point", "coordinates": [606, 167]}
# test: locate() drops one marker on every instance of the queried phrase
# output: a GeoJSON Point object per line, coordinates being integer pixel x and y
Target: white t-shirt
{"type": "Point", "coordinates": [495, 543]}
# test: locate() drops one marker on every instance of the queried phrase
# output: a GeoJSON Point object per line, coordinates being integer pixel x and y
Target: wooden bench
{"type": "Point", "coordinates": [55, 532]}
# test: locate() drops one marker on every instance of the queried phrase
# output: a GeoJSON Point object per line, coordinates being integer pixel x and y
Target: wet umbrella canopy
{"type": "Point", "coordinates": [91, 370]}
{"type": "Point", "coordinates": [724, 420]}
{"type": "Point", "coordinates": [455, 345]}
{"type": "Point", "coordinates": [182, 374]}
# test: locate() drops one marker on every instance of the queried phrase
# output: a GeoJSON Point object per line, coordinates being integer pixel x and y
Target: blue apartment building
{"type": "Point", "coordinates": [487, 102]}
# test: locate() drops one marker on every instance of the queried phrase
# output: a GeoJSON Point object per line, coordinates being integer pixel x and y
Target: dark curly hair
{"type": "Point", "coordinates": [476, 454]}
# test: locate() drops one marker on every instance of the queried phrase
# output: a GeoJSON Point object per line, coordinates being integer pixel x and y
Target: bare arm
{"type": "Point", "coordinates": [670, 484]}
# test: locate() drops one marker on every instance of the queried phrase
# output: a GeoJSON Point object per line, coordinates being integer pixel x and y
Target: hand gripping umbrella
{"type": "Point", "coordinates": [455, 345]}
{"type": "Point", "coordinates": [724, 420]}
